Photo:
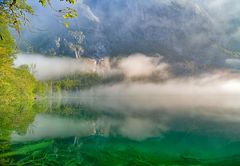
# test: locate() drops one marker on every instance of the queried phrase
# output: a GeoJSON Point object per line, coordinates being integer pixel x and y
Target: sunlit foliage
{"type": "Point", "coordinates": [18, 88]}
{"type": "Point", "coordinates": [16, 85]}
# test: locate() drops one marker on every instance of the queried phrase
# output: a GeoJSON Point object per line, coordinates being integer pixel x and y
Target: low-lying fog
{"type": "Point", "coordinates": [139, 109]}
{"type": "Point", "coordinates": [216, 88]}
{"type": "Point", "coordinates": [149, 108]}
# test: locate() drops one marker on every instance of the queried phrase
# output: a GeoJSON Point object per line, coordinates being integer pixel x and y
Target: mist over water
{"type": "Point", "coordinates": [212, 97]}
{"type": "Point", "coordinates": [45, 68]}
{"type": "Point", "coordinates": [139, 111]}
{"type": "Point", "coordinates": [213, 89]}
{"type": "Point", "coordinates": [197, 113]}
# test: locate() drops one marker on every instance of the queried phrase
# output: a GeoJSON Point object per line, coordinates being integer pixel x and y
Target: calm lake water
{"type": "Point", "coordinates": [125, 131]}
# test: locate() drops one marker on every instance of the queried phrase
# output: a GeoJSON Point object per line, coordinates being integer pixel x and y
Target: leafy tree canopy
{"type": "Point", "coordinates": [13, 12]}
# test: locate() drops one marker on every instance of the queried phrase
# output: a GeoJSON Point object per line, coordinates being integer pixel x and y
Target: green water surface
{"type": "Point", "coordinates": [74, 133]}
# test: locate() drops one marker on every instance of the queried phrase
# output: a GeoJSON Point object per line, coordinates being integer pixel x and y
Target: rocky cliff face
{"type": "Point", "coordinates": [179, 31]}
{"type": "Point", "coordinates": [137, 26]}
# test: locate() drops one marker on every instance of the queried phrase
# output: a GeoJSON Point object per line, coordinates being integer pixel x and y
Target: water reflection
{"type": "Point", "coordinates": [78, 117]}
{"type": "Point", "coordinates": [99, 131]}
{"type": "Point", "coordinates": [54, 126]}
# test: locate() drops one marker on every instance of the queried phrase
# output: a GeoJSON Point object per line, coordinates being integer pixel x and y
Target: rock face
{"type": "Point", "coordinates": [179, 31]}
{"type": "Point", "coordinates": [176, 30]}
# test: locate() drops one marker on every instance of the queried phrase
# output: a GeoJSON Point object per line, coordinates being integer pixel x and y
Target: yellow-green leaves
{"type": "Point", "coordinates": [69, 13]}
{"type": "Point", "coordinates": [71, 1]}
{"type": "Point", "coordinates": [66, 24]}
{"type": "Point", "coordinates": [14, 13]}
{"type": "Point", "coordinates": [43, 2]}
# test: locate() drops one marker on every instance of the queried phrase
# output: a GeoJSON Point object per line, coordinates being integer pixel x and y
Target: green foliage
{"type": "Point", "coordinates": [14, 118]}
{"type": "Point", "coordinates": [81, 81]}
{"type": "Point", "coordinates": [25, 84]}
{"type": "Point", "coordinates": [17, 86]}
{"type": "Point", "coordinates": [41, 88]}
{"type": "Point", "coordinates": [8, 87]}
{"type": "Point", "coordinates": [76, 82]}
{"type": "Point", "coordinates": [71, 1]}
{"type": "Point", "coordinates": [69, 13]}
{"type": "Point", "coordinates": [6, 42]}
{"type": "Point", "coordinates": [27, 149]}
{"type": "Point", "coordinates": [15, 12]}
{"type": "Point", "coordinates": [43, 2]}
{"type": "Point", "coordinates": [66, 24]}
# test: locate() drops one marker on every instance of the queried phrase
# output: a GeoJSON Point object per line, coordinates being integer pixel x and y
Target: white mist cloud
{"type": "Point", "coordinates": [147, 109]}
{"type": "Point", "coordinates": [139, 65]}
{"type": "Point", "coordinates": [136, 65]}
{"type": "Point", "coordinates": [54, 67]}
{"type": "Point", "coordinates": [211, 96]}
{"type": "Point", "coordinates": [219, 90]}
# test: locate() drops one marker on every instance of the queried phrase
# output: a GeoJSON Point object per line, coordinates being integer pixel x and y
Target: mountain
{"type": "Point", "coordinates": [180, 31]}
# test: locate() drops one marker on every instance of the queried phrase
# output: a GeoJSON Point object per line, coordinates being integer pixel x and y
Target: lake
{"type": "Point", "coordinates": [125, 130]}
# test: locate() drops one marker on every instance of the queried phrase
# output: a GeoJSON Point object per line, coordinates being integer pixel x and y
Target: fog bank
{"type": "Point", "coordinates": [133, 66]}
